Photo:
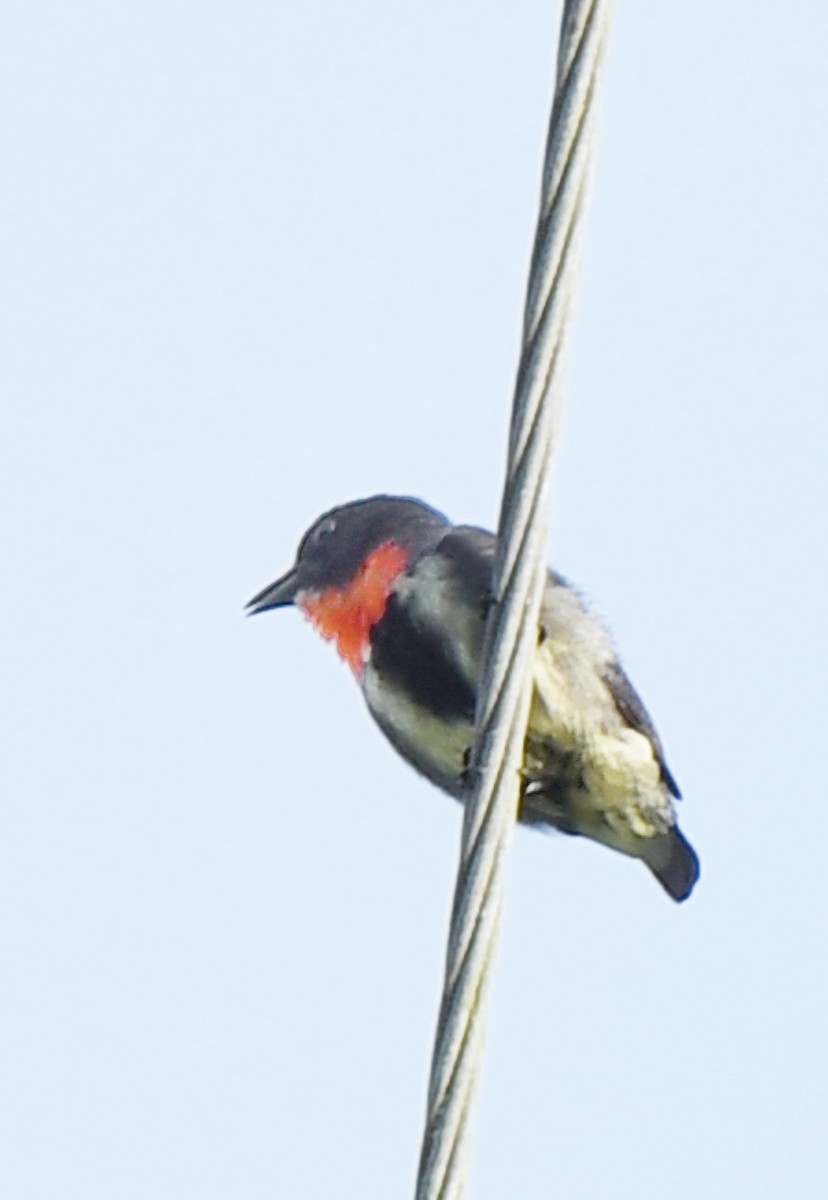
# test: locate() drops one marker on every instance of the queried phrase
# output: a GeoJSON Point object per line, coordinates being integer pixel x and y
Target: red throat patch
{"type": "Point", "coordinates": [348, 614]}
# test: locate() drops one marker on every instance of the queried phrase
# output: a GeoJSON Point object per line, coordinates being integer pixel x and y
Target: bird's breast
{"type": "Point", "coordinates": [348, 614]}
{"type": "Point", "coordinates": [435, 745]}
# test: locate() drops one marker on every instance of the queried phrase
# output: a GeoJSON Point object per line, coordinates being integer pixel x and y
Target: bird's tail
{"type": "Point", "coordinates": [674, 863]}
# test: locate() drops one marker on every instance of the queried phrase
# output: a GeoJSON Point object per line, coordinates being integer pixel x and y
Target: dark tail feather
{"type": "Point", "coordinates": [674, 863]}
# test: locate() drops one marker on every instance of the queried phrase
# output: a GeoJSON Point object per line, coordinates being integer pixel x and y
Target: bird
{"type": "Point", "coordinates": [404, 594]}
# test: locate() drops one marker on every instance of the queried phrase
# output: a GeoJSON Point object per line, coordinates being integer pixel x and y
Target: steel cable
{"type": "Point", "coordinates": [511, 629]}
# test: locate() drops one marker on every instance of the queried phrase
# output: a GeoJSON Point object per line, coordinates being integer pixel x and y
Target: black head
{"type": "Point", "coordinates": [333, 550]}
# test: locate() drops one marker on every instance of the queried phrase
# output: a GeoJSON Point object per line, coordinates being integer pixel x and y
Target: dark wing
{"type": "Point", "coordinates": [631, 707]}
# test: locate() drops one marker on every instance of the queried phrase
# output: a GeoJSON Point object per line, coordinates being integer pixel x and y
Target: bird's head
{"type": "Point", "coordinates": [347, 565]}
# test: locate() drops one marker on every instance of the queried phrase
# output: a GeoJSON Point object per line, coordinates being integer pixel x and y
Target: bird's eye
{"type": "Point", "coordinates": [325, 529]}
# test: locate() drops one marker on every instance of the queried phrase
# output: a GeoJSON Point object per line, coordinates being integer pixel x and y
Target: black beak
{"type": "Point", "coordinates": [276, 595]}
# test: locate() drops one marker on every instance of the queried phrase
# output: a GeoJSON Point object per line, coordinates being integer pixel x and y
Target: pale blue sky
{"type": "Point", "coordinates": [260, 259]}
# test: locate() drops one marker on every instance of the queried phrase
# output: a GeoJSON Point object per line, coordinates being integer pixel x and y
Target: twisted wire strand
{"type": "Point", "coordinates": [511, 631]}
